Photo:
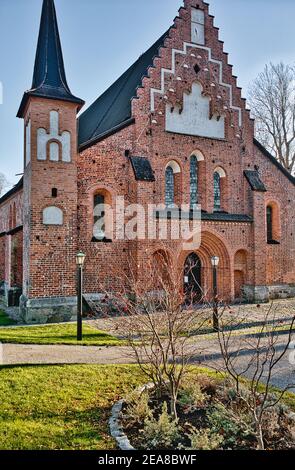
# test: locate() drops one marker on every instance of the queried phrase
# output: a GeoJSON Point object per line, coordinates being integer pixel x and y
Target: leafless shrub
{"type": "Point", "coordinates": [159, 322]}
{"type": "Point", "coordinates": [263, 351]}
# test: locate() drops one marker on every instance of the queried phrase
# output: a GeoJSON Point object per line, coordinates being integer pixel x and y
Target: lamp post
{"type": "Point", "coordinates": [80, 258]}
{"type": "Point", "coordinates": [215, 263]}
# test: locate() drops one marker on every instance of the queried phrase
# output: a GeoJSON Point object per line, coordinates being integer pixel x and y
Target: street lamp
{"type": "Point", "coordinates": [80, 258]}
{"type": "Point", "coordinates": [215, 263]}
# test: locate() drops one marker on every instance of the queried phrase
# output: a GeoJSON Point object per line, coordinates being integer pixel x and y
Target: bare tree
{"type": "Point", "coordinates": [3, 183]}
{"type": "Point", "coordinates": [159, 321]}
{"type": "Point", "coordinates": [264, 352]}
{"type": "Point", "coordinates": [272, 101]}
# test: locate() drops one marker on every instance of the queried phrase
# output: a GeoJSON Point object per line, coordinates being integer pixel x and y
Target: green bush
{"type": "Point", "coordinates": [204, 439]}
{"type": "Point", "coordinates": [191, 396]}
{"type": "Point", "coordinates": [223, 421]}
{"type": "Point", "coordinates": [138, 409]}
{"type": "Point", "coordinates": [160, 433]}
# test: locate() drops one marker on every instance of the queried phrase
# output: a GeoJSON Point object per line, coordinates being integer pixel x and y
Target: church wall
{"type": "Point", "coordinates": [11, 243]}
{"type": "Point", "coordinates": [104, 167]}
{"type": "Point", "coordinates": [281, 257]}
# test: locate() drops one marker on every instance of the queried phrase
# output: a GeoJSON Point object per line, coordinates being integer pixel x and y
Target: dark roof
{"type": "Point", "coordinates": [274, 161]}
{"type": "Point", "coordinates": [113, 108]}
{"type": "Point", "coordinates": [206, 216]}
{"type": "Point", "coordinates": [12, 191]}
{"type": "Point", "coordinates": [254, 180]}
{"type": "Point", "coordinates": [142, 169]}
{"type": "Point", "coordinates": [224, 217]}
{"type": "Point", "coordinates": [49, 80]}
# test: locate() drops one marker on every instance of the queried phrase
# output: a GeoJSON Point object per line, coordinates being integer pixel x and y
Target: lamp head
{"type": "Point", "coordinates": [80, 258]}
{"type": "Point", "coordinates": [215, 261]}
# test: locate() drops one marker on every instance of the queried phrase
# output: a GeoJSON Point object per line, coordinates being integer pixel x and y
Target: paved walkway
{"type": "Point", "coordinates": [247, 314]}
{"type": "Point", "coordinates": [205, 352]}
{"type": "Point", "coordinates": [43, 354]}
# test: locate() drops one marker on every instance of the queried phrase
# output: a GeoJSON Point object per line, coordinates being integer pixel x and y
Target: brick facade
{"type": "Point", "coordinates": [249, 265]}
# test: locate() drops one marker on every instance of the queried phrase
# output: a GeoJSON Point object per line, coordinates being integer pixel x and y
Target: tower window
{"type": "Point", "coordinates": [54, 192]}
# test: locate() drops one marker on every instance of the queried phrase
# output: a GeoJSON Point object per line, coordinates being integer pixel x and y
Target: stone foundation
{"type": "Point", "coordinates": [48, 310]}
{"type": "Point", "coordinates": [10, 295]}
{"type": "Point", "coordinates": [263, 294]}
{"type": "Point", "coordinates": [282, 291]}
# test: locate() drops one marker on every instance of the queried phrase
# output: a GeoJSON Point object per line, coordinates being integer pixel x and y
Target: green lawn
{"type": "Point", "coordinates": [61, 407]}
{"type": "Point", "coordinates": [65, 407]}
{"type": "Point", "coordinates": [57, 334]}
{"type": "Point", "coordinates": [5, 320]}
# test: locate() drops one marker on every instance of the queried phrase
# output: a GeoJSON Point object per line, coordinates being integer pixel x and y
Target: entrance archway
{"type": "Point", "coordinates": [213, 244]}
{"type": "Point", "coordinates": [193, 278]}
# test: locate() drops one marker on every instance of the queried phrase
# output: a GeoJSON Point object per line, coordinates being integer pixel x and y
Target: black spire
{"type": "Point", "coordinates": [49, 80]}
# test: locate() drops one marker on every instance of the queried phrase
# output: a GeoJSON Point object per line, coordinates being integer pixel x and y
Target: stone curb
{"type": "Point", "coordinates": [116, 429]}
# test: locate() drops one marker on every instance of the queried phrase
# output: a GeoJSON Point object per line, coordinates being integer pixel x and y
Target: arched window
{"type": "Point", "coordinates": [219, 187]}
{"type": "Point", "coordinates": [99, 217]}
{"type": "Point", "coordinates": [269, 221]}
{"type": "Point", "coordinates": [194, 197]}
{"type": "Point", "coordinates": [103, 220]}
{"type": "Point", "coordinates": [172, 184]}
{"type": "Point", "coordinates": [273, 229]}
{"type": "Point", "coordinates": [217, 191]}
{"type": "Point", "coordinates": [169, 187]}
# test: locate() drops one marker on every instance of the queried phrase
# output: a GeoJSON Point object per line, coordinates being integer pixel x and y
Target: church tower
{"type": "Point", "coordinates": [49, 111]}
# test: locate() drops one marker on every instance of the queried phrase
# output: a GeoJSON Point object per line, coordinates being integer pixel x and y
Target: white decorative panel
{"type": "Point", "coordinates": [198, 26]}
{"type": "Point", "coordinates": [54, 121]}
{"type": "Point", "coordinates": [54, 152]}
{"type": "Point", "coordinates": [66, 146]}
{"type": "Point", "coordinates": [168, 72]}
{"type": "Point", "coordinates": [28, 142]}
{"type": "Point", "coordinates": [198, 16]}
{"type": "Point", "coordinates": [194, 119]}
{"type": "Point", "coordinates": [52, 216]}
{"type": "Point", "coordinates": [43, 138]}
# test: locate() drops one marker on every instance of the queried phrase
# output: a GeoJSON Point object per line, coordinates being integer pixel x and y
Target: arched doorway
{"type": "Point", "coordinates": [193, 278]}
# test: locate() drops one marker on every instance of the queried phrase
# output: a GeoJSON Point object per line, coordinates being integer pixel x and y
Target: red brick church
{"type": "Point", "coordinates": [172, 130]}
